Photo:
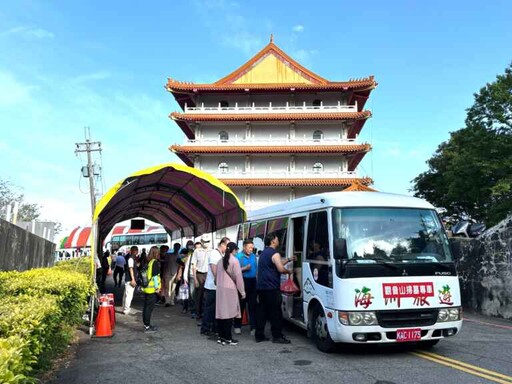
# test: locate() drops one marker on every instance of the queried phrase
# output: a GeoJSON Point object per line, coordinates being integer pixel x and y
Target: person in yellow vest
{"type": "Point", "coordinates": [154, 287]}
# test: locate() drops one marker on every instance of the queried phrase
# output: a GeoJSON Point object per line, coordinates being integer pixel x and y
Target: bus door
{"type": "Point", "coordinates": [296, 248]}
{"type": "Point", "coordinates": [317, 267]}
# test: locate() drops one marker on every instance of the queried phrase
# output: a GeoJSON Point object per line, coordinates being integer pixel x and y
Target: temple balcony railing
{"type": "Point", "coordinates": [269, 140]}
{"type": "Point", "coordinates": [306, 173]}
{"type": "Point", "coordinates": [287, 108]}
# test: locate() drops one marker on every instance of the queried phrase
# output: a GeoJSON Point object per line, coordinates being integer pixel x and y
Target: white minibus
{"type": "Point", "coordinates": [371, 267]}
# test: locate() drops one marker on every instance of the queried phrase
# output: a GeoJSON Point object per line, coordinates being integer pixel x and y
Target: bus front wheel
{"type": "Point", "coordinates": [320, 331]}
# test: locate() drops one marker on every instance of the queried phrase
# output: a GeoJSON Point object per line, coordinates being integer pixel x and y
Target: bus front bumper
{"type": "Point", "coordinates": [377, 334]}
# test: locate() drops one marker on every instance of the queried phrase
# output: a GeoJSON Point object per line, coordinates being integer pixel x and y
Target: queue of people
{"type": "Point", "coordinates": [214, 285]}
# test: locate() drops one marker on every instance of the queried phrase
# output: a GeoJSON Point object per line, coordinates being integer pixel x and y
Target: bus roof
{"type": "Point", "coordinates": [339, 199]}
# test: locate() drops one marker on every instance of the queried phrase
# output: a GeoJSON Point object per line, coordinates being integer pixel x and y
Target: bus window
{"type": "Point", "coordinates": [243, 232]}
{"type": "Point", "coordinates": [122, 240]}
{"type": "Point", "coordinates": [161, 238]}
{"type": "Point", "coordinates": [279, 227]}
{"type": "Point", "coordinates": [257, 234]}
{"type": "Point", "coordinates": [317, 253]}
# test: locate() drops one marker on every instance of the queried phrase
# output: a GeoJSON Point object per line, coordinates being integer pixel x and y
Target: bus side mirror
{"type": "Point", "coordinates": [340, 249]}
{"type": "Point", "coordinates": [455, 248]}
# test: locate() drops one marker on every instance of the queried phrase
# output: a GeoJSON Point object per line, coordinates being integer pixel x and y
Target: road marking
{"type": "Point", "coordinates": [465, 367]}
{"type": "Point", "coordinates": [486, 323]}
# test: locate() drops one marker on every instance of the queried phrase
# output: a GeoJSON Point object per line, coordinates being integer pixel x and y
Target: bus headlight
{"type": "Point", "coordinates": [357, 318]}
{"type": "Point", "coordinates": [448, 314]}
{"type": "Point", "coordinates": [454, 314]}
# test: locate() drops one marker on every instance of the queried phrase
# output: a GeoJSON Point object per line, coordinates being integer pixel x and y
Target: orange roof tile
{"type": "Point", "coordinates": [357, 186]}
{"type": "Point", "coordinates": [295, 182]}
{"type": "Point", "coordinates": [312, 81]}
{"type": "Point", "coordinates": [366, 83]}
{"type": "Point", "coordinates": [341, 148]}
{"type": "Point", "coordinates": [270, 116]}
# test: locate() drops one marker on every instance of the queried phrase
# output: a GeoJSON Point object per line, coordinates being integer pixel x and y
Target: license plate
{"type": "Point", "coordinates": [410, 334]}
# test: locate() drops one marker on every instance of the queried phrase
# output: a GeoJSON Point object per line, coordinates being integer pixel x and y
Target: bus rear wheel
{"type": "Point", "coordinates": [320, 331]}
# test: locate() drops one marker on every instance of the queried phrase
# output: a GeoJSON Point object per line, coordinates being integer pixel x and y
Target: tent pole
{"type": "Point", "coordinates": [94, 230]}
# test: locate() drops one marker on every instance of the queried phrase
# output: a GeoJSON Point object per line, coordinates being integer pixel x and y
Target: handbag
{"type": "Point", "coordinates": [183, 292]}
{"type": "Point", "coordinates": [288, 287]}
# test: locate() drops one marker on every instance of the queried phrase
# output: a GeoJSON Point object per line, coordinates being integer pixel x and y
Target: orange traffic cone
{"type": "Point", "coordinates": [102, 325]}
{"type": "Point", "coordinates": [245, 320]}
{"type": "Point", "coordinates": [112, 308]}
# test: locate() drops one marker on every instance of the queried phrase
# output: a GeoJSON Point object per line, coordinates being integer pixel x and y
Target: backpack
{"type": "Point", "coordinates": [142, 276]}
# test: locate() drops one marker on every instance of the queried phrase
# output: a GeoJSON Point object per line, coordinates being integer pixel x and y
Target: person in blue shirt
{"type": "Point", "coordinates": [249, 266]}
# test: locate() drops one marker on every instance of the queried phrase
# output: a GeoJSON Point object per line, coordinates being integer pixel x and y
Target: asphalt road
{"type": "Point", "coordinates": [481, 353]}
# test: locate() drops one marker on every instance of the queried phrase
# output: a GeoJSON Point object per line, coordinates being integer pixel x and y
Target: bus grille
{"type": "Point", "coordinates": [407, 318]}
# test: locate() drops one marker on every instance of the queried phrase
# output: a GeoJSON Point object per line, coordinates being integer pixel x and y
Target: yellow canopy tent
{"type": "Point", "coordinates": [174, 195]}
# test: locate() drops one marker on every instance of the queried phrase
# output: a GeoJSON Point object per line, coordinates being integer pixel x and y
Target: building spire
{"type": "Point", "coordinates": [271, 38]}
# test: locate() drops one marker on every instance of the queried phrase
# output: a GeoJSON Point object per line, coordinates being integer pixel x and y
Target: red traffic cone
{"type": "Point", "coordinates": [102, 325]}
{"type": "Point", "coordinates": [245, 320]}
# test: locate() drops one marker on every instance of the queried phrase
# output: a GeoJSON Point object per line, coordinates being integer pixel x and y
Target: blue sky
{"type": "Point", "coordinates": [103, 64]}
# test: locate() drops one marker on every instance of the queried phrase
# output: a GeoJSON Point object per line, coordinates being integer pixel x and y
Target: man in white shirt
{"type": "Point", "coordinates": [130, 282]}
{"type": "Point", "coordinates": [210, 294]}
{"type": "Point", "coordinates": [199, 265]}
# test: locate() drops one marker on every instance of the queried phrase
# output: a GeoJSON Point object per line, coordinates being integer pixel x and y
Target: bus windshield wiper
{"type": "Point", "coordinates": [377, 260]}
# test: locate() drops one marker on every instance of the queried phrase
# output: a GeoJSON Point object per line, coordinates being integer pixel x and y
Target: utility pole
{"type": "Point", "coordinates": [88, 171]}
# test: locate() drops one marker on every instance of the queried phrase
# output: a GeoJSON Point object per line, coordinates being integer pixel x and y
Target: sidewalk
{"type": "Point", "coordinates": [177, 353]}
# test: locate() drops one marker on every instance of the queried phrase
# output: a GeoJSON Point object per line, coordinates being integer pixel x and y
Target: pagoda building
{"type": "Point", "coordinates": [272, 130]}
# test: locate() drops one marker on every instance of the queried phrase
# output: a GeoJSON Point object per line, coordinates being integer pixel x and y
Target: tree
{"type": "Point", "coordinates": [472, 171]}
{"type": "Point", "coordinates": [10, 193]}
{"type": "Point", "coordinates": [28, 212]}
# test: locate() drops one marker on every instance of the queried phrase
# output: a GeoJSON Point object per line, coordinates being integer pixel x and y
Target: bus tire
{"type": "Point", "coordinates": [427, 344]}
{"type": "Point", "coordinates": [320, 331]}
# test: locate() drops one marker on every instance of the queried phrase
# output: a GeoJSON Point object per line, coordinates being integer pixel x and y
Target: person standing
{"type": "Point", "coordinates": [150, 292]}
{"type": "Point", "coordinates": [119, 270]}
{"type": "Point", "coordinates": [188, 277]}
{"type": "Point", "coordinates": [249, 267]}
{"type": "Point", "coordinates": [181, 277]}
{"type": "Point", "coordinates": [270, 268]}
{"type": "Point", "coordinates": [170, 272]}
{"type": "Point", "coordinates": [130, 274]}
{"type": "Point", "coordinates": [208, 323]}
{"type": "Point", "coordinates": [199, 271]}
{"type": "Point", "coordinates": [105, 266]}
{"type": "Point", "coordinates": [229, 284]}
{"type": "Point", "coordinates": [162, 258]}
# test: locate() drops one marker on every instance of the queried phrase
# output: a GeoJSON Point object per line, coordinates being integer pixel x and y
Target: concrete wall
{"type": "Point", "coordinates": [485, 271]}
{"type": "Point", "coordinates": [21, 250]}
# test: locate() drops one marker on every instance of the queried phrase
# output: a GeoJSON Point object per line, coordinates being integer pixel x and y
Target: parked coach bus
{"type": "Point", "coordinates": [372, 267]}
{"type": "Point", "coordinates": [142, 239]}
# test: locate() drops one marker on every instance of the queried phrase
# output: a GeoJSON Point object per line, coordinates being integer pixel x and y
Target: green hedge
{"type": "Point", "coordinates": [38, 311]}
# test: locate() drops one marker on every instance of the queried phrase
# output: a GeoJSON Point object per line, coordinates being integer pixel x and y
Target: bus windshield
{"type": "Point", "coordinates": [389, 235]}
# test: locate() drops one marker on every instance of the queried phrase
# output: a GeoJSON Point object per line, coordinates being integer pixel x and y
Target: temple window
{"type": "Point", "coordinates": [317, 103]}
{"type": "Point", "coordinates": [224, 104]}
{"type": "Point", "coordinates": [223, 168]}
{"type": "Point", "coordinates": [318, 167]}
{"type": "Point", "coordinates": [223, 136]}
{"type": "Point", "coordinates": [318, 135]}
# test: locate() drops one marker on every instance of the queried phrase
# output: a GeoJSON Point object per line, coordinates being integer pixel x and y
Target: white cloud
{"type": "Point", "coordinates": [298, 28]}
{"type": "Point", "coordinates": [12, 91]}
{"type": "Point", "coordinates": [30, 32]}
{"type": "Point", "coordinates": [236, 29]}
{"type": "Point", "coordinates": [394, 152]}
{"type": "Point", "coordinates": [99, 75]}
